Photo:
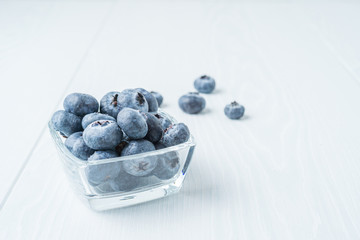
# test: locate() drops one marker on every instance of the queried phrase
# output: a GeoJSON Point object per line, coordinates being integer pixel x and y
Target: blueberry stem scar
{"type": "Point", "coordinates": [142, 166]}
{"type": "Point", "coordinates": [168, 128]}
{"type": "Point", "coordinates": [114, 101]}
{"type": "Point", "coordinates": [140, 98]}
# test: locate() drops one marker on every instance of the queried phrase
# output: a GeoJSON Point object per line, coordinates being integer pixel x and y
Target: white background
{"type": "Point", "coordinates": [290, 169]}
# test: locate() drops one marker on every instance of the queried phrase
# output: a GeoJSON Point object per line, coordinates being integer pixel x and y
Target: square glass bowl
{"type": "Point", "coordinates": [114, 193]}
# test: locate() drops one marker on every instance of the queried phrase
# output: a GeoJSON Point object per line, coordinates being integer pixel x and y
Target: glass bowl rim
{"type": "Point", "coordinates": [63, 149]}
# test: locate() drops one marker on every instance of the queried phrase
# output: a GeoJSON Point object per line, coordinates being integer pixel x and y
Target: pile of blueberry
{"type": "Point", "coordinates": [123, 124]}
{"type": "Point", "coordinates": [194, 103]}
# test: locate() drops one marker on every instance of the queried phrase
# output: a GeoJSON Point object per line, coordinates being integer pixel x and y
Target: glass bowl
{"type": "Point", "coordinates": [126, 189]}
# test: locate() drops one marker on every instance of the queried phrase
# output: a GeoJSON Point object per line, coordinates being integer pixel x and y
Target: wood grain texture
{"type": "Point", "coordinates": [288, 170]}
{"type": "Point", "coordinates": [41, 45]}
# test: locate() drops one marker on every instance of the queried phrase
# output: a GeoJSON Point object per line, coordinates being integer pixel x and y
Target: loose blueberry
{"type": "Point", "coordinates": [132, 123]}
{"type": "Point", "coordinates": [204, 84]}
{"type": "Point", "coordinates": [66, 123]}
{"type": "Point", "coordinates": [140, 166]}
{"type": "Point", "coordinates": [92, 117]}
{"type": "Point", "coordinates": [151, 100]}
{"type": "Point", "coordinates": [164, 121]}
{"type": "Point", "coordinates": [234, 110]}
{"type": "Point", "coordinates": [167, 167]}
{"type": "Point", "coordinates": [175, 134]}
{"type": "Point", "coordinates": [109, 104]}
{"type": "Point", "coordinates": [155, 131]}
{"type": "Point", "coordinates": [134, 99]}
{"type": "Point", "coordinates": [101, 173]}
{"type": "Point", "coordinates": [192, 103]}
{"type": "Point", "coordinates": [77, 146]}
{"type": "Point", "coordinates": [158, 96]}
{"type": "Point", "coordinates": [102, 135]}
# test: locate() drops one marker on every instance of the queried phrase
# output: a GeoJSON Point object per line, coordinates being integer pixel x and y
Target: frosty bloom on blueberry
{"type": "Point", "coordinates": [134, 99]}
{"type": "Point", "coordinates": [158, 96]}
{"type": "Point", "coordinates": [77, 146]}
{"type": "Point", "coordinates": [192, 103]}
{"type": "Point", "coordinates": [168, 165]}
{"type": "Point", "coordinates": [151, 100]}
{"type": "Point", "coordinates": [164, 121]}
{"type": "Point", "coordinates": [234, 110]}
{"type": "Point", "coordinates": [204, 84]}
{"type": "Point", "coordinates": [109, 104]}
{"type": "Point", "coordinates": [80, 104]}
{"type": "Point", "coordinates": [132, 123]}
{"type": "Point", "coordinates": [101, 173]}
{"type": "Point", "coordinates": [66, 123]}
{"type": "Point", "coordinates": [96, 116]}
{"type": "Point", "coordinates": [142, 166]}
{"type": "Point", "coordinates": [175, 134]}
{"type": "Point", "coordinates": [155, 131]}
{"type": "Point", "coordinates": [102, 135]}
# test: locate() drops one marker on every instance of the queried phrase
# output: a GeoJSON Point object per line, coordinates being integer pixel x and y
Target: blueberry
{"type": "Point", "coordinates": [164, 121]}
{"type": "Point", "coordinates": [123, 182]}
{"type": "Point", "coordinates": [155, 131]}
{"type": "Point", "coordinates": [92, 117]}
{"type": "Point", "coordinates": [66, 123]}
{"type": "Point", "coordinates": [98, 155]}
{"type": "Point", "coordinates": [140, 166]}
{"type": "Point", "coordinates": [126, 182]}
{"type": "Point", "coordinates": [133, 99]}
{"type": "Point", "coordinates": [112, 186]}
{"type": "Point", "coordinates": [132, 123]}
{"type": "Point", "coordinates": [102, 135]}
{"type": "Point", "coordinates": [204, 84]}
{"type": "Point", "coordinates": [80, 104]}
{"type": "Point", "coordinates": [158, 96]}
{"type": "Point", "coordinates": [151, 100]}
{"type": "Point", "coordinates": [101, 173]}
{"type": "Point", "coordinates": [137, 146]}
{"type": "Point", "coordinates": [121, 146]}
{"type": "Point", "coordinates": [168, 165]}
{"type": "Point", "coordinates": [192, 103]}
{"type": "Point", "coordinates": [109, 104]}
{"type": "Point", "coordinates": [159, 145]}
{"type": "Point", "coordinates": [175, 134]}
{"type": "Point", "coordinates": [76, 145]}
{"type": "Point", "coordinates": [234, 110]}
{"type": "Point", "coordinates": [126, 137]}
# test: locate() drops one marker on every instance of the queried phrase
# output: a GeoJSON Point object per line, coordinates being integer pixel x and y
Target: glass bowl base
{"type": "Point", "coordinates": [132, 198]}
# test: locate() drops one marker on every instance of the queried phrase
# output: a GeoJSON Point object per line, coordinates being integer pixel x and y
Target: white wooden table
{"type": "Point", "coordinates": [289, 170]}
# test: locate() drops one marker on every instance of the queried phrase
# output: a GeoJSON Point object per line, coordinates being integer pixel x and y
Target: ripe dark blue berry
{"type": "Point", "coordinates": [234, 110]}
{"type": "Point", "coordinates": [192, 103]}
